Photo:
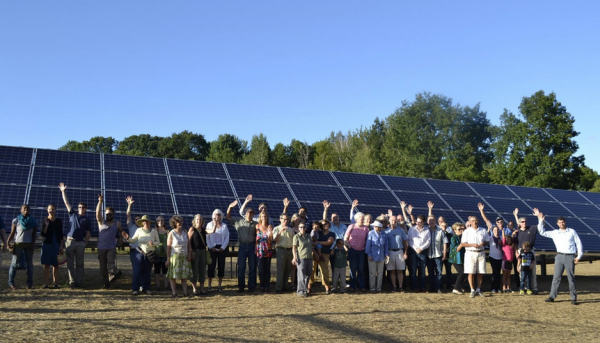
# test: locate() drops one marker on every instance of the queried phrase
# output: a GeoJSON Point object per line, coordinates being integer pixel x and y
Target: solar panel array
{"type": "Point", "coordinates": [167, 186]}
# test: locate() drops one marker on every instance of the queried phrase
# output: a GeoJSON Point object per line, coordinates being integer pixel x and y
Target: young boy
{"type": "Point", "coordinates": [314, 235]}
{"type": "Point", "coordinates": [340, 258]}
{"type": "Point", "coordinates": [525, 266]}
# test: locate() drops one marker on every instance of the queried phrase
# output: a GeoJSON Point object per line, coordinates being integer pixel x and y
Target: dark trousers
{"type": "Point", "coordinates": [247, 251]}
{"type": "Point", "coordinates": [448, 267]}
{"type": "Point", "coordinates": [525, 278]}
{"type": "Point", "coordinates": [418, 264]}
{"type": "Point", "coordinates": [516, 272]}
{"type": "Point", "coordinates": [434, 269]}
{"type": "Point", "coordinates": [496, 274]}
{"type": "Point", "coordinates": [217, 258]}
{"type": "Point", "coordinates": [264, 271]}
{"type": "Point", "coordinates": [460, 276]}
{"type": "Point", "coordinates": [141, 272]}
{"type": "Point", "coordinates": [357, 268]}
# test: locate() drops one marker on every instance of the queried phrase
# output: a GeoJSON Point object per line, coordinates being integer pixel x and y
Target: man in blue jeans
{"type": "Point", "coordinates": [246, 229]}
{"type": "Point", "coordinates": [419, 239]}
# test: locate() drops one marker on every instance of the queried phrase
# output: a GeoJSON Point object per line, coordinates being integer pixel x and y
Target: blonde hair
{"type": "Point", "coordinates": [201, 221]}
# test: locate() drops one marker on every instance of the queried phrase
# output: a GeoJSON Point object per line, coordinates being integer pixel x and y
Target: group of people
{"type": "Point", "coordinates": [368, 245]}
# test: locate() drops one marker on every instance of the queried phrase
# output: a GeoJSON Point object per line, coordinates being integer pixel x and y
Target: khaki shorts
{"type": "Point", "coordinates": [474, 262]}
{"type": "Point", "coordinates": [397, 261]}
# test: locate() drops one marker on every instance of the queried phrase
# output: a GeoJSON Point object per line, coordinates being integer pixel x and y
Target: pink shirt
{"type": "Point", "coordinates": [357, 236]}
{"type": "Point", "coordinates": [507, 251]}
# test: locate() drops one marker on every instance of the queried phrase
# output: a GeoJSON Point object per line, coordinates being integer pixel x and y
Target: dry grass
{"type": "Point", "coordinates": [92, 314]}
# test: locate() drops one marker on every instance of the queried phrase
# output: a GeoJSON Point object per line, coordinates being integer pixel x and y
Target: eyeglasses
{"type": "Point", "coordinates": [460, 229]}
{"type": "Point", "coordinates": [301, 226]}
{"type": "Point", "coordinates": [81, 207]}
{"type": "Point", "coordinates": [499, 220]}
{"type": "Point", "coordinates": [523, 221]}
{"type": "Point", "coordinates": [251, 212]}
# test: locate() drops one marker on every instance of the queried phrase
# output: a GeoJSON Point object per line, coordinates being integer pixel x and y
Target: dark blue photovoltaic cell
{"type": "Point", "coordinates": [257, 173]}
{"type": "Point", "coordinates": [548, 208]}
{"type": "Point", "coordinates": [372, 197]}
{"type": "Point", "coordinates": [73, 178]}
{"type": "Point", "coordinates": [314, 193]}
{"type": "Point", "coordinates": [590, 243]}
{"type": "Point", "coordinates": [449, 216]}
{"type": "Point", "coordinates": [506, 206]}
{"type": "Point", "coordinates": [42, 196]}
{"type": "Point", "coordinates": [585, 211]}
{"type": "Point", "coordinates": [134, 164]}
{"type": "Point", "coordinates": [531, 193]}
{"type": "Point", "coordinates": [205, 206]}
{"type": "Point", "coordinates": [12, 195]}
{"type": "Point", "coordinates": [463, 203]}
{"type": "Point", "coordinates": [398, 183]}
{"type": "Point", "coordinates": [359, 180]}
{"type": "Point", "coordinates": [308, 176]}
{"type": "Point", "coordinates": [593, 197]}
{"type": "Point", "coordinates": [420, 199]}
{"type": "Point", "coordinates": [67, 159]}
{"type": "Point", "coordinates": [10, 173]}
{"type": "Point", "coordinates": [490, 190]}
{"type": "Point", "coordinates": [544, 244]}
{"type": "Point", "coordinates": [15, 155]}
{"type": "Point", "coordinates": [136, 182]}
{"type": "Point", "coordinates": [573, 223]}
{"type": "Point", "coordinates": [451, 187]}
{"type": "Point", "coordinates": [200, 186]}
{"type": "Point", "coordinates": [594, 224]}
{"type": "Point", "coordinates": [567, 196]}
{"type": "Point", "coordinates": [315, 211]}
{"type": "Point", "coordinates": [8, 214]}
{"type": "Point", "coordinates": [196, 168]}
{"type": "Point", "coordinates": [262, 190]}
{"type": "Point", "coordinates": [376, 211]}
{"type": "Point", "coordinates": [143, 202]}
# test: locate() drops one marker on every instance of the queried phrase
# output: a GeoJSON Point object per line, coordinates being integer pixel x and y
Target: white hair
{"type": "Point", "coordinates": [358, 215]}
{"type": "Point", "coordinates": [219, 212]}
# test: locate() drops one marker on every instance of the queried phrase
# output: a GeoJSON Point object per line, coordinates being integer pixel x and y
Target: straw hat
{"type": "Point", "coordinates": [145, 218]}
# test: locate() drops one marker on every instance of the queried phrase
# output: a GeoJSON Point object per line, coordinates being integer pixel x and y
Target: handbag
{"type": "Point", "coordinates": [208, 258]}
{"type": "Point", "coordinates": [151, 256]}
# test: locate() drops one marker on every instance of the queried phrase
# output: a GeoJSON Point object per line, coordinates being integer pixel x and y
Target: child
{"type": "Point", "coordinates": [508, 252]}
{"type": "Point", "coordinates": [314, 235]}
{"type": "Point", "coordinates": [525, 266]}
{"type": "Point", "coordinates": [340, 257]}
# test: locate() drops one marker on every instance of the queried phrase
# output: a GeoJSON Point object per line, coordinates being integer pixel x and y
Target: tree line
{"type": "Point", "coordinates": [429, 137]}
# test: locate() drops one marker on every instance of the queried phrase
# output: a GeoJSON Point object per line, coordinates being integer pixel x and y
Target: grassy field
{"type": "Point", "coordinates": [93, 314]}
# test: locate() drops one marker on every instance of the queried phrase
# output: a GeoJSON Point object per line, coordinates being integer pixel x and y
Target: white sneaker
{"type": "Point", "coordinates": [472, 294]}
{"type": "Point", "coordinates": [149, 292]}
{"type": "Point", "coordinates": [134, 292]}
{"type": "Point", "coordinates": [455, 291]}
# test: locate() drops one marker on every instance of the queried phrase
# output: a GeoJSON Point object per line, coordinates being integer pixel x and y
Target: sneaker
{"type": "Point", "coordinates": [440, 291]}
{"type": "Point", "coordinates": [549, 300]}
{"type": "Point", "coordinates": [107, 286]}
{"type": "Point", "coordinates": [455, 291]}
{"type": "Point", "coordinates": [529, 292]}
{"type": "Point", "coordinates": [472, 294]}
{"type": "Point", "coordinates": [134, 293]}
{"type": "Point", "coordinates": [521, 292]}
{"type": "Point", "coordinates": [535, 292]}
{"type": "Point", "coordinates": [149, 292]}
{"type": "Point", "coordinates": [574, 302]}
{"type": "Point", "coordinates": [115, 277]}
{"type": "Point", "coordinates": [494, 291]}
{"type": "Point", "coordinates": [480, 294]}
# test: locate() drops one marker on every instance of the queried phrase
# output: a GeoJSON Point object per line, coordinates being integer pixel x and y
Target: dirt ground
{"type": "Point", "coordinates": [93, 314]}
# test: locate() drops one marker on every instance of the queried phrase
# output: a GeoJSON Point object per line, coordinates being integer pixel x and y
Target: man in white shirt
{"type": "Point", "coordinates": [419, 239]}
{"type": "Point", "coordinates": [473, 240]}
{"type": "Point", "coordinates": [569, 249]}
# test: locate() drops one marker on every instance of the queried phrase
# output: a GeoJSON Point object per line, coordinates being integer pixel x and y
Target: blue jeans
{"type": "Point", "coordinates": [357, 268]}
{"type": "Point", "coordinates": [141, 272]}
{"type": "Point", "coordinates": [17, 253]}
{"type": "Point", "coordinates": [525, 278]}
{"type": "Point", "coordinates": [417, 263]}
{"type": "Point", "coordinates": [247, 251]}
{"type": "Point", "coordinates": [434, 269]}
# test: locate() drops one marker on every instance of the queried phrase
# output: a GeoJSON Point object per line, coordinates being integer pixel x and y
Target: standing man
{"type": "Point", "coordinates": [437, 252]}
{"type": "Point", "coordinates": [246, 228]}
{"type": "Point", "coordinates": [303, 259]}
{"type": "Point", "coordinates": [398, 248]}
{"type": "Point", "coordinates": [78, 237]}
{"type": "Point", "coordinates": [23, 231]}
{"type": "Point", "coordinates": [419, 239]}
{"type": "Point", "coordinates": [283, 236]}
{"type": "Point", "coordinates": [474, 239]}
{"type": "Point", "coordinates": [132, 228]}
{"type": "Point", "coordinates": [522, 235]}
{"type": "Point", "coordinates": [108, 232]}
{"type": "Point", "coordinates": [337, 228]}
{"type": "Point", "coordinates": [261, 208]}
{"type": "Point", "coordinates": [569, 249]}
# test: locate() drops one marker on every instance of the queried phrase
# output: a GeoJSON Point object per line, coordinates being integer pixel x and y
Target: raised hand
{"type": "Point", "coordinates": [62, 187]}
{"type": "Point", "coordinates": [326, 204]}
{"type": "Point", "coordinates": [402, 204]}
{"type": "Point", "coordinates": [409, 209]}
{"type": "Point", "coordinates": [354, 203]}
{"type": "Point", "coordinates": [390, 213]}
{"type": "Point", "coordinates": [430, 204]}
{"type": "Point", "coordinates": [480, 206]}
{"type": "Point", "coordinates": [100, 197]}
{"type": "Point", "coordinates": [516, 212]}
{"type": "Point", "coordinates": [249, 198]}
{"type": "Point", "coordinates": [129, 200]}
{"type": "Point", "coordinates": [233, 204]}
{"type": "Point", "coordinates": [286, 202]}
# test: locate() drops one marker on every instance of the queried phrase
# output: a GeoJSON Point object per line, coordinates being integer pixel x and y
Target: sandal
{"type": "Point", "coordinates": [220, 290]}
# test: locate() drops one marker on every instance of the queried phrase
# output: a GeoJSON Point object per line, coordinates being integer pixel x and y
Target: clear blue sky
{"type": "Point", "coordinates": [71, 70]}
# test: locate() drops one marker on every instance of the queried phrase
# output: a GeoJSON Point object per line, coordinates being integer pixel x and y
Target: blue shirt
{"type": "Point", "coordinates": [78, 225]}
{"type": "Point", "coordinates": [567, 241]}
{"type": "Point", "coordinates": [377, 245]}
{"type": "Point", "coordinates": [339, 230]}
{"type": "Point", "coordinates": [396, 238]}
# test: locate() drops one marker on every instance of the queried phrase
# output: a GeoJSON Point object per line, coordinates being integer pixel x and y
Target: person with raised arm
{"type": "Point", "coordinates": [109, 231]}
{"type": "Point", "coordinates": [474, 239]}
{"type": "Point", "coordinates": [262, 207]}
{"type": "Point", "coordinates": [217, 239]}
{"type": "Point", "coordinates": [283, 236]}
{"type": "Point", "coordinates": [23, 231]}
{"type": "Point", "coordinates": [569, 252]}
{"type": "Point", "coordinates": [526, 234]}
{"type": "Point", "coordinates": [80, 231]}
{"type": "Point", "coordinates": [132, 228]}
{"type": "Point", "coordinates": [264, 251]}
{"type": "Point", "coordinates": [147, 239]}
{"type": "Point", "coordinates": [246, 229]}
{"type": "Point", "coordinates": [437, 252]}
{"type": "Point", "coordinates": [356, 240]}
{"type": "Point", "coordinates": [52, 231]}
{"type": "Point", "coordinates": [419, 240]}
{"type": "Point", "coordinates": [352, 208]}
{"type": "Point", "coordinates": [495, 250]}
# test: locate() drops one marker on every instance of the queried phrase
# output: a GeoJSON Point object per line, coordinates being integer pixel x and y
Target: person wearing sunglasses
{"type": "Point", "coordinates": [526, 234]}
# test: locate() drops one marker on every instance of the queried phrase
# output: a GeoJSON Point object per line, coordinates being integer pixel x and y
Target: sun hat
{"type": "Point", "coordinates": [145, 218]}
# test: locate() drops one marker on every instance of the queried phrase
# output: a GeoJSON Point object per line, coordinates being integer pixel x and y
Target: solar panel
{"type": "Point", "coordinates": [593, 197]}
{"type": "Point", "coordinates": [262, 190]}
{"type": "Point", "coordinates": [74, 178]}
{"type": "Point", "coordinates": [531, 193]}
{"type": "Point", "coordinates": [200, 186]}
{"type": "Point", "coordinates": [491, 190]}
{"type": "Point", "coordinates": [257, 173]}
{"type": "Point", "coordinates": [15, 155]}
{"type": "Point", "coordinates": [594, 224]}
{"type": "Point", "coordinates": [308, 176]}
{"type": "Point", "coordinates": [463, 203]}
{"type": "Point", "coordinates": [134, 164]}
{"type": "Point", "coordinates": [451, 187]}
{"type": "Point", "coordinates": [419, 200]}
{"type": "Point", "coordinates": [196, 168]}
{"type": "Point", "coordinates": [8, 214]}
{"type": "Point", "coordinates": [567, 196]}
{"type": "Point", "coordinates": [574, 223]}
{"type": "Point", "coordinates": [371, 196]}
{"type": "Point", "coordinates": [506, 206]}
{"type": "Point", "coordinates": [136, 182]}
{"type": "Point", "coordinates": [67, 159]}
{"type": "Point", "coordinates": [42, 196]}
{"type": "Point", "coordinates": [315, 211]}
{"type": "Point", "coordinates": [359, 180]}
{"type": "Point", "coordinates": [187, 204]}
{"type": "Point", "coordinates": [398, 183]}
{"type": "Point", "coordinates": [143, 202]}
{"type": "Point", "coordinates": [584, 211]}
{"type": "Point", "coordinates": [548, 208]}
{"type": "Point", "coordinates": [449, 216]}
{"type": "Point", "coordinates": [13, 174]}
{"type": "Point", "coordinates": [310, 193]}
{"type": "Point", "coordinates": [11, 195]}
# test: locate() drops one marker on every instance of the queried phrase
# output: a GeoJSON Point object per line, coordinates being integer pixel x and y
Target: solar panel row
{"type": "Point", "coordinates": [168, 186]}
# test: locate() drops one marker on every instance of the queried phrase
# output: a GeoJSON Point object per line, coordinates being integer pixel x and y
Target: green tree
{"type": "Point", "coordinates": [596, 187]}
{"type": "Point", "coordinates": [588, 178]}
{"type": "Point", "coordinates": [139, 145]}
{"type": "Point", "coordinates": [184, 145]}
{"type": "Point", "coordinates": [537, 147]}
{"type": "Point", "coordinates": [281, 156]}
{"type": "Point", "coordinates": [260, 151]}
{"type": "Point", "coordinates": [323, 155]}
{"type": "Point", "coordinates": [302, 153]}
{"type": "Point", "coordinates": [227, 148]}
{"type": "Point", "coordinates": [96, 144]}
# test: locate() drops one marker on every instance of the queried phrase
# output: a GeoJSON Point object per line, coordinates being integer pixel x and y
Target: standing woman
{"type": "Point", "coordinates": [160, 266]}
{"type": "Point", "coordinates": [197, 236]}
{"type": "Point", "coordinates": [457, 257]}
{"type": "Point", "coordinates": [356, 239]}
{"type": "Point", "coordinates": [264, 252]}
{"type": "Point", "coordinates": [179, 252]}
{"type": "Point", "coordinates": [24, 229]}
{"type": "Point", "coordinates": [147, 240]}
{"type": "Point", "coordinates": [217, 239]}
{"type": "Point", "coordinates": [52, 231]}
